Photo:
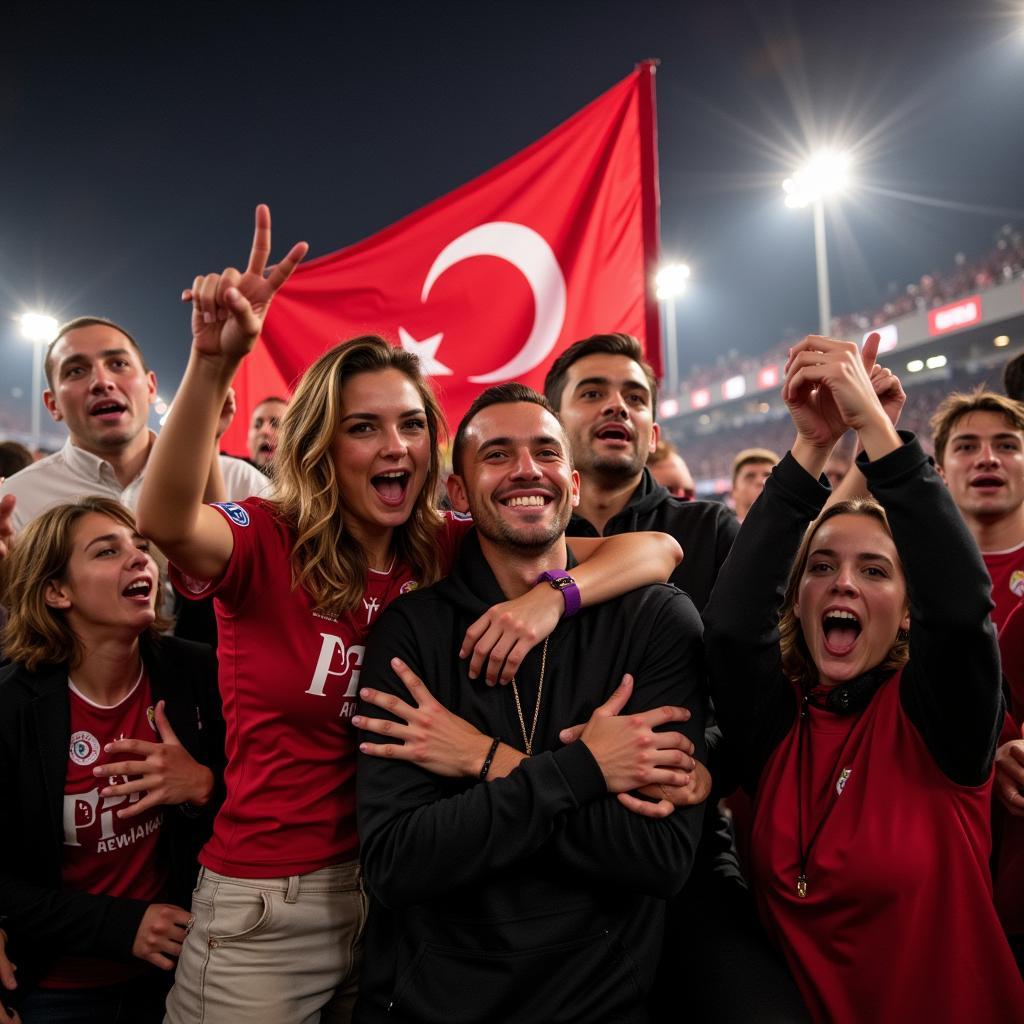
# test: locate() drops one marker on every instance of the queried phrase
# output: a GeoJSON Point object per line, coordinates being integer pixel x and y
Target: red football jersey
{"type": "Point", "coordinates": [1007, 571]}
{"type": "Point", "coordinates": [289, 680]}
{"type": "Point", "coordinates": [104, 854]}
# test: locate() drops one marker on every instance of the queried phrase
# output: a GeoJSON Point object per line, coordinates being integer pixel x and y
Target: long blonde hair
{"type": "Point", "coordinates": [797, 663]}
{"type": "Point", "coordinates": [35, 633]}
{"type": "Point", "coordinates": [327, 561]}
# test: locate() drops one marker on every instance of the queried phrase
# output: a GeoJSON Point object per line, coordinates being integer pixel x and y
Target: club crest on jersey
{"type": "Point", "coordinates": [234, 512]}
{"type": "Point", "coordinates": [84, 749]}
{"type": "Point", "coordinates": [1017, 582]}
{"type": "Point", "coordinates": [841, 781]}
{"type": "Point", "coordinates": [151, 717]}
{"type": "Point", "coordinates": [408, 586]}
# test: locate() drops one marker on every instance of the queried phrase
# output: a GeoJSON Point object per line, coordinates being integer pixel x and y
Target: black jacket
{"type": "Point", "coordinates": [704, 529]}
{"type": "Point", "coordinates": [537, 897]}
{"type": "Point", "coordinates": [42, 920]}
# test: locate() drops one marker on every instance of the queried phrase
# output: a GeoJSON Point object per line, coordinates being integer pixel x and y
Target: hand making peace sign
{"type": "Point", "coordinates": [228, 309]}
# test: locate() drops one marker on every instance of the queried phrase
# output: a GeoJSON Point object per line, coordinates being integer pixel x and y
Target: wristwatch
{"type": "Point", "coordinates": [562, 581]}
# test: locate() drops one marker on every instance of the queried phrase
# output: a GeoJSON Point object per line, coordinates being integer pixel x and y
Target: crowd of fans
{"type": "Point", "coordinates": [427, 759]}
{"type": "Point", "coordinates": [710, 454]}
{"type": "Point", "coordinates": [1003, 262]}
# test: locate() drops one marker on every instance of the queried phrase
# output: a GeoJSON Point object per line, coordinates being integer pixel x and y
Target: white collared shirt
{"type": "Point", "coordinates": [72, 473]}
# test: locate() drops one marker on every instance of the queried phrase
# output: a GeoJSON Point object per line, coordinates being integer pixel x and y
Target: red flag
{"type": "Point", "coordinates": [492, 281]}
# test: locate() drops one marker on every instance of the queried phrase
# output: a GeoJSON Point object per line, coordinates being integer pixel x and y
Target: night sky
{"type": "Point", "coordinates": [133, 147]}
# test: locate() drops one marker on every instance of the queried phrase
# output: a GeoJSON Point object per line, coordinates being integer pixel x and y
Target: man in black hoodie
{"type": "Point", "coordinates": [526, 889]}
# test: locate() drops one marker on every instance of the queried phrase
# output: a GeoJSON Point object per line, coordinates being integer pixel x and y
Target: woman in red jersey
{"type": "Point", "coordinates": [867, 696]}
{"type": "Point", "coordinates": [299, 581]}
{"type": "Point", "coordinates": [103, 722]}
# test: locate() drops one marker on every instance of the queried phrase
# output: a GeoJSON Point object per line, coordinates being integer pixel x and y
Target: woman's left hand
{"type": "Point", "coordinates": [168, 774]}
{"type": "Point", "coordinates": [428, 734]}
{"type": "Point", "coordinates": [507, 632]}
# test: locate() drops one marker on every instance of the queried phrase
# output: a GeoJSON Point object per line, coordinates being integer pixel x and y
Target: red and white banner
{"type": "Point", "coordinates": [955, 316]}
{"type": "Point", "coordinates": [492, 281]}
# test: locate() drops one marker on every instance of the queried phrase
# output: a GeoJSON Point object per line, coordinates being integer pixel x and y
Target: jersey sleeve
{"type": "Point", "coordinates": [255, 538]}
{"type": "Point", "coordinates": [454, 529]}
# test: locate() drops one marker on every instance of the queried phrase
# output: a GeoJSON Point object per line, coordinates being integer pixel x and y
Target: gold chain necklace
{"type": "Point", "coordinates": [528, 740]}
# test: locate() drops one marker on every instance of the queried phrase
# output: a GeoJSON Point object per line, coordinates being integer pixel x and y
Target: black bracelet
{"type": "Point", "coordinates": [489, 758]}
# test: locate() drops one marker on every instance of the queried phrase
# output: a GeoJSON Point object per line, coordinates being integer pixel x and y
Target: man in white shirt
{"type": "Point", "coordinates": [99, 386]}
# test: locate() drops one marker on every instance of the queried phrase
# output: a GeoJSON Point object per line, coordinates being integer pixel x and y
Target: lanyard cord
{"type": "Point", "coordinates": [804, 728]}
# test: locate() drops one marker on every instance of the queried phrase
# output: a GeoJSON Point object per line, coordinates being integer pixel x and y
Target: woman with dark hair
{"type": "Point", "coordinates": [299, 580]}
{"type": "Point", "coordinates": [103, 724]}
{"type": "Point", "coordinates": [866, 695]}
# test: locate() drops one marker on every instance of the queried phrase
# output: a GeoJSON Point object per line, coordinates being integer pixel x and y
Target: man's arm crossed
{"type": "Point", "coordinates": [603, 840]}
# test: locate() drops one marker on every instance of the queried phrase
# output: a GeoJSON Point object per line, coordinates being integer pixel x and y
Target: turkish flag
{"type": "Point", "coordinates": [492, 281]}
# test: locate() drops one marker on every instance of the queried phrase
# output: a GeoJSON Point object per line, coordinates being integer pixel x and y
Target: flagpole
{"type": "Point", "coordinates": [651, 203]}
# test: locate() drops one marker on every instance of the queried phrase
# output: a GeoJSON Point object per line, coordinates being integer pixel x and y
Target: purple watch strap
{"type": "Point", "coordinates": [561, 580]}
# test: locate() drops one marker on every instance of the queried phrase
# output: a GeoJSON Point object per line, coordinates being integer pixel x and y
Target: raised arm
{"type": "Point", "coordinates": [228, 310]}
{"type": "Point", "coordinates": [753, 700]}
{"type": "Point", "coordinates": [951, 688]}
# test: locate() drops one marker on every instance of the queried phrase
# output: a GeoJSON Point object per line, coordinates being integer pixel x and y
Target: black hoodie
{"type": "Point", "coordinates": [537, 897]}
{"type": "Point", "coordinates": [705, 531]}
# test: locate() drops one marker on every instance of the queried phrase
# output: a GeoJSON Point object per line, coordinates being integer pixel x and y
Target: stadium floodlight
{"type": "Point", "coordinates": [935, 362]}
{"type": "Point", "coordinates": [39, 329]}
{"type": "Point", "coordinates": [670, 282]}
{"type": "Point", "coordinates": [915, 365]}
{"type": "Point", "coordinates": [826, 174]}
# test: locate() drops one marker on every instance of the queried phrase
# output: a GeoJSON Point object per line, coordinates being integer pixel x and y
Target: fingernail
{"type": "Point", "coordinates": [106, 749]}
{"type": "Point", "coordinates": [97, 771]}
{"type": "Point", "coordinates": [207, 318]}
{"type": "Point", "coordinates": [232, 293]}
{"type": "Point", "coordinates": [357, 719]}
{"type": "Point", "coordinates": [364, 747]}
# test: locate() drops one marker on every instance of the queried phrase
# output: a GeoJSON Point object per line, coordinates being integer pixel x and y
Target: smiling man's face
{"type": "Point", "coordinates": [516, 477]}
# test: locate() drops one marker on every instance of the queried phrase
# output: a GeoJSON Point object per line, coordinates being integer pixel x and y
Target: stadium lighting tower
{"type": "Point", "coordinates": [826, 174]}
{"type": "Point", "coordinates": [670, 282]}
{"type": "Point", "coordinates": [39, 329]}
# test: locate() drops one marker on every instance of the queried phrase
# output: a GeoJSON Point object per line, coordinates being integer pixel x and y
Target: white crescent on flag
{"type": "Point", "coordinates": [531, 255]}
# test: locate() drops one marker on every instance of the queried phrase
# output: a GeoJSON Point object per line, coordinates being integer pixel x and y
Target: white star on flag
{"type": "Point", "coordinates": [427, 352]}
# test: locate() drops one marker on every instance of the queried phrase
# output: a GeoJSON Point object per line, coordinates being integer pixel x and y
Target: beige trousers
{"type": "Point", "coordinates": [271, 950]}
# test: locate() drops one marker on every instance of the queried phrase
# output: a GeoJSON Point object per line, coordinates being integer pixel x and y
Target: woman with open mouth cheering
{"type": "Point", "coordinates": [104, 724]}
{"type": "Point", "coordinates": [867, 695]}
